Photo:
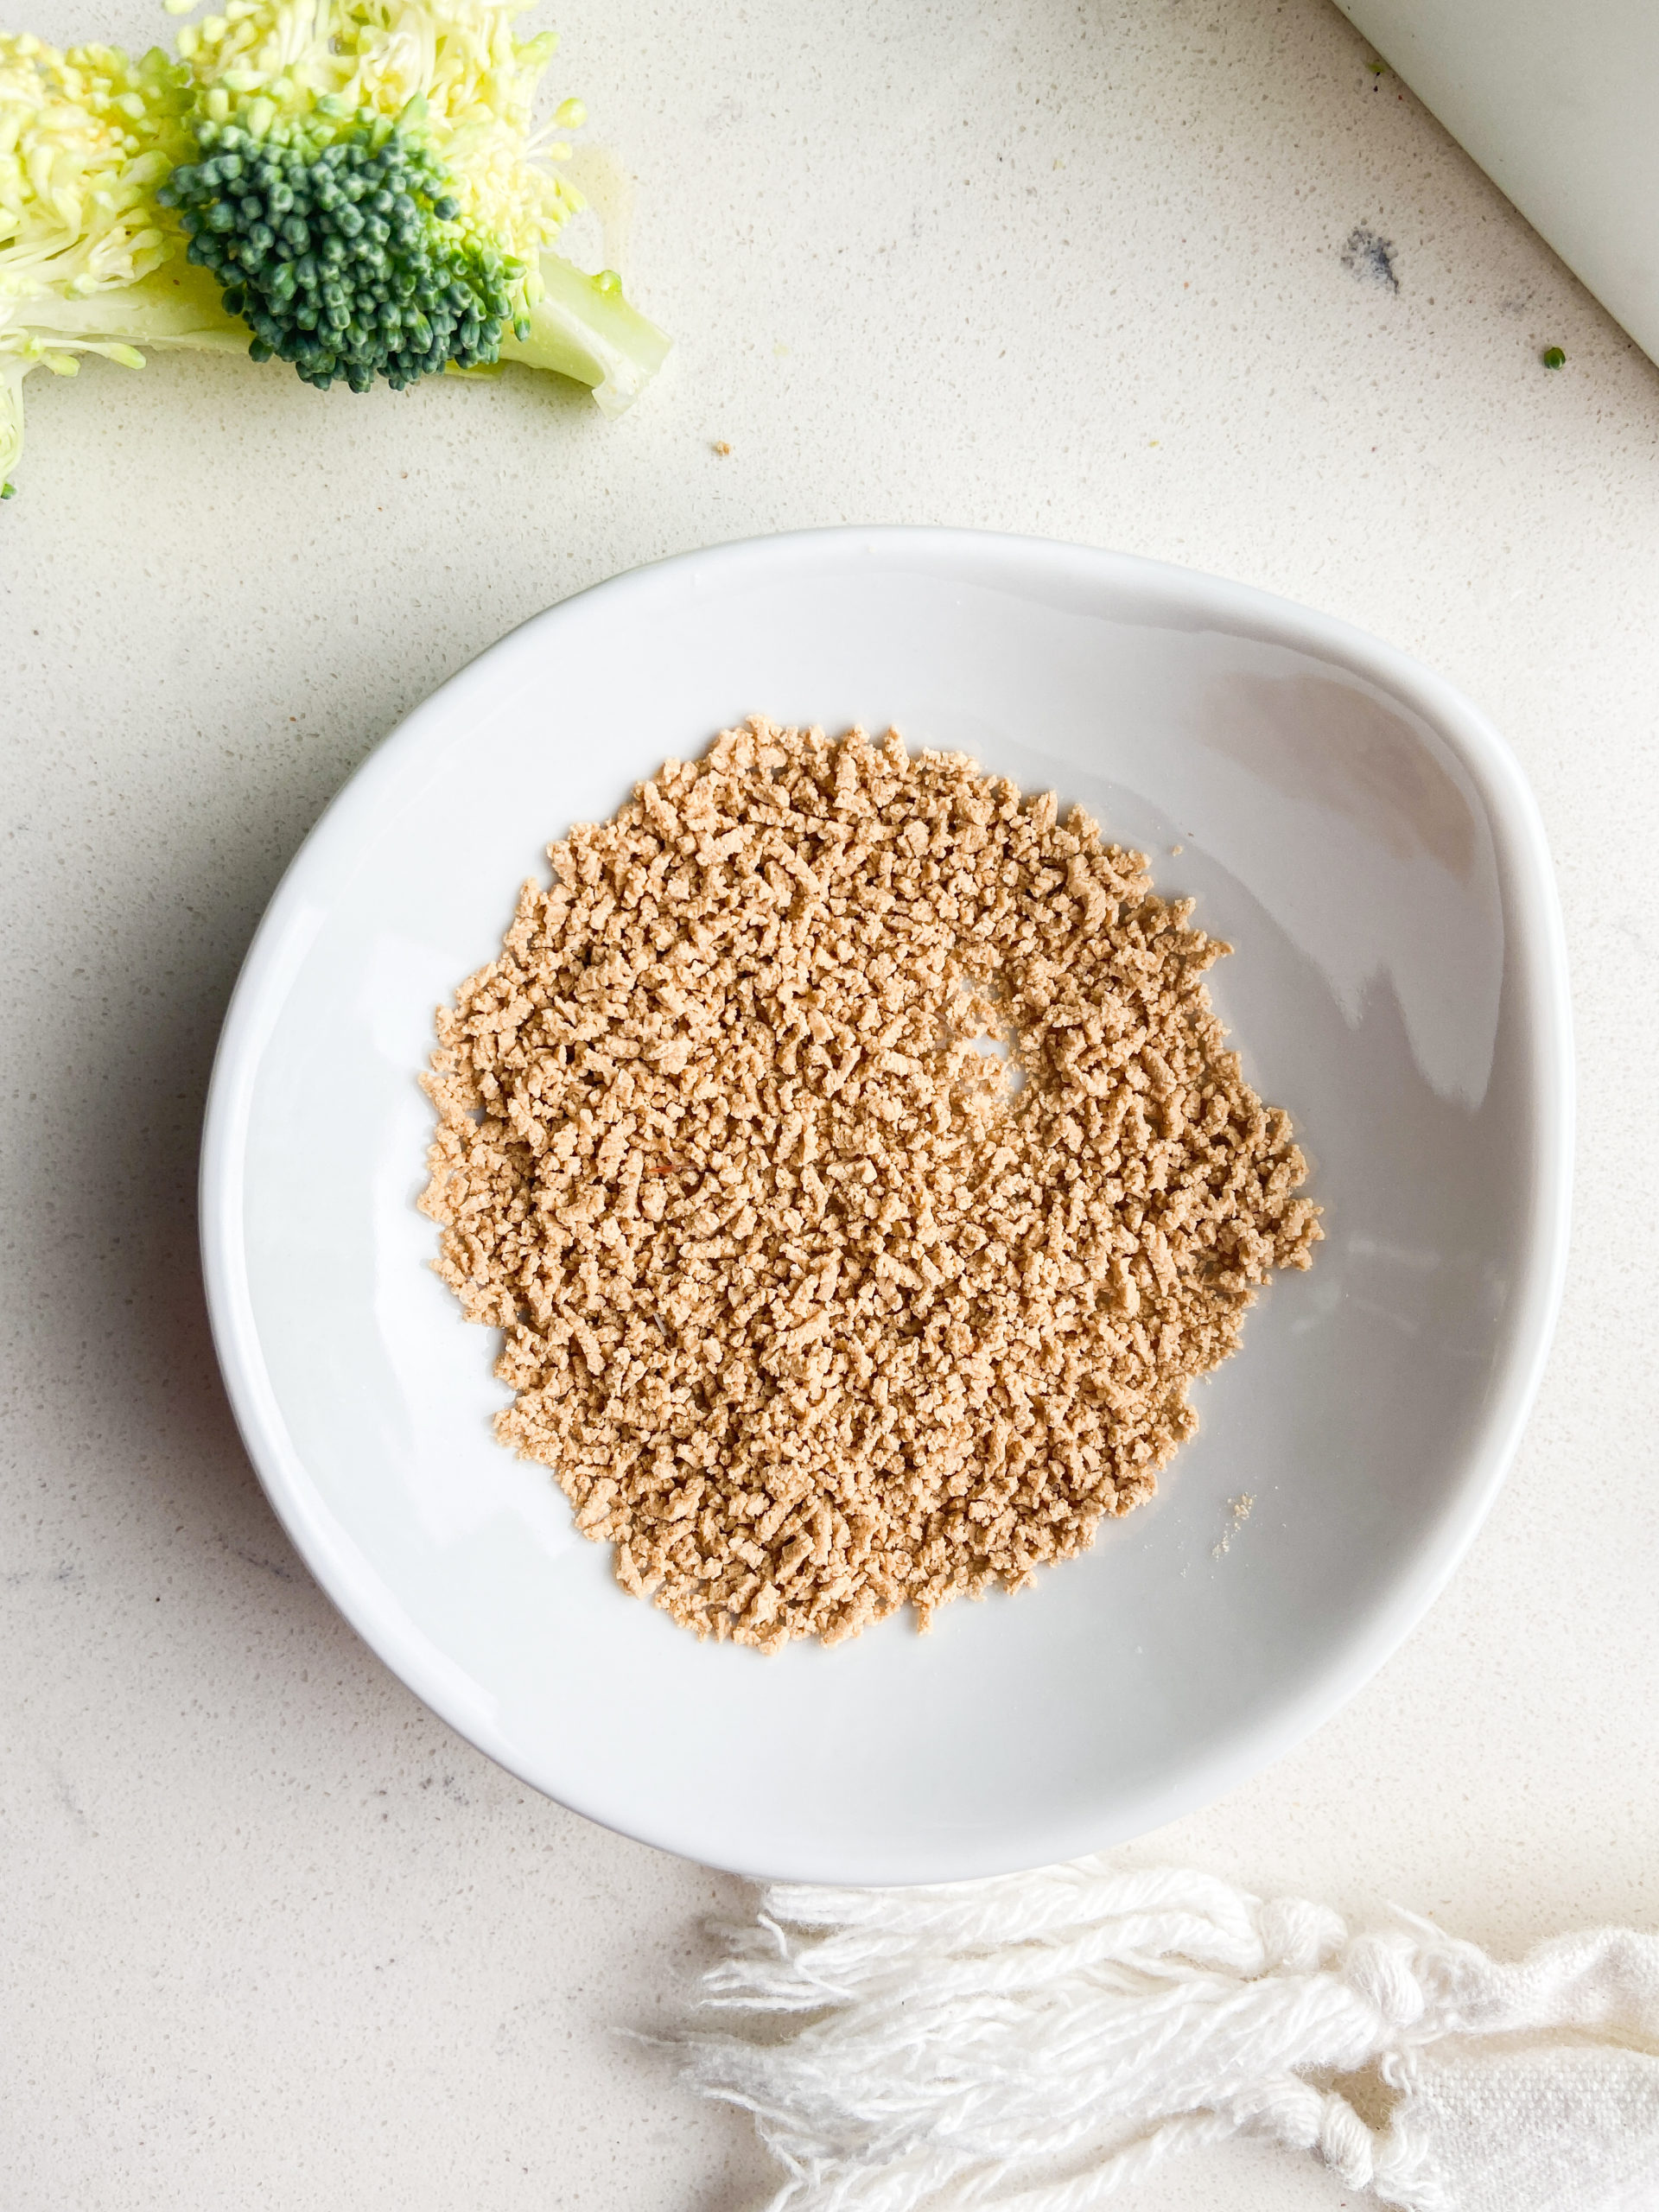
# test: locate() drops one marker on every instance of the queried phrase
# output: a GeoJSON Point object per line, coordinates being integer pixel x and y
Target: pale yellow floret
{"type": "Point", "coordinates": [85, 136]}
{"type": "Point", "coordinates": [76, 213]}
{"type": "Point", "coordinates": [454, 69]}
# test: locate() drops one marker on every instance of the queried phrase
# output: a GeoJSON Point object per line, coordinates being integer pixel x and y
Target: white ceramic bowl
{"type": "Point", "coordinates": [1366, 843]}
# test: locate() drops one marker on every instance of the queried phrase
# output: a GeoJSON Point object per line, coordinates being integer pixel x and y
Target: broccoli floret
{"type": "Point", "coordinates": [362, 199]}
{"type": "Point", "coordinates": [341, 248]}
{"type": "Point", "coordinates": [85, 138]}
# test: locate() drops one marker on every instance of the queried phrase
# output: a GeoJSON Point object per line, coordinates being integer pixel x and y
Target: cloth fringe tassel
{"type": "Point", "coordinates": [1034, 2043]}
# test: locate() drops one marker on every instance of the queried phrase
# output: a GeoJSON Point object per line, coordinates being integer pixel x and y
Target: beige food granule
{"type": "Point", "coordinates": [1239, 1510]}
{"type": "Point", "coordinates": [813, 1305]}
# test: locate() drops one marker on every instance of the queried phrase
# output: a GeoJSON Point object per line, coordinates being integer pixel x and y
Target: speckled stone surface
{"type": "Point", "coordinates": [1185, 278]}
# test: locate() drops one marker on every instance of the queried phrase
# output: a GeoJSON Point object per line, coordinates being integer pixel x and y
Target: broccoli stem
{"type": "Point", "coordinates": [175, 305]}
{"type": "Point", "coordinates": [581, 327]}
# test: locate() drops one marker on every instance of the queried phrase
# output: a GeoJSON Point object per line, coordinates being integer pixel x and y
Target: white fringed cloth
{"type": "Point", "coordinates": [1037, 2044]}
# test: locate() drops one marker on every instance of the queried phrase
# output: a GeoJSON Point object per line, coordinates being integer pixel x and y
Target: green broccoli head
{"type": "Point", "coordinates": [339, 239]}
{"type": "Point", "coordinates": [371, 196]}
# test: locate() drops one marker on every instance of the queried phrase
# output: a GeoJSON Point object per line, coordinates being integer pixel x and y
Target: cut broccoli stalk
{"type": "Point", "coordinates": [175, 305]}
{"type": "Point", "coordinates": [582, 328]}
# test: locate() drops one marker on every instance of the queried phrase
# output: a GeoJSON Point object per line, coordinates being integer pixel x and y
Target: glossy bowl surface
{"type": "Point", "coordinates": [1347, 821]}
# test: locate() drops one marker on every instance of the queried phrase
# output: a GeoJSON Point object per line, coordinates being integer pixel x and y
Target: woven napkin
{"type": "Point", "coordinates": [1034, 2045]}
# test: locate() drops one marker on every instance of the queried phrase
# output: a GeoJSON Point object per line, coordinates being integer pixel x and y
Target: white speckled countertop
{"type": "Point", "coordinates": [270, 1934]}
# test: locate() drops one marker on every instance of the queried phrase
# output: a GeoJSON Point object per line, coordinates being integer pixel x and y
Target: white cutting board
{"type": "Point", "coordinates": [1558, 100]}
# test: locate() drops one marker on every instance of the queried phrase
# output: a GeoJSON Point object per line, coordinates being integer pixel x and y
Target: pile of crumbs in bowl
{"type": "Point", "coordinates": [850, 1153]}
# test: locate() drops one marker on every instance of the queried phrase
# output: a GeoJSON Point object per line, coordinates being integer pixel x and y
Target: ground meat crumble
{"type": "Point", "coordinates": [814, 1307]}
